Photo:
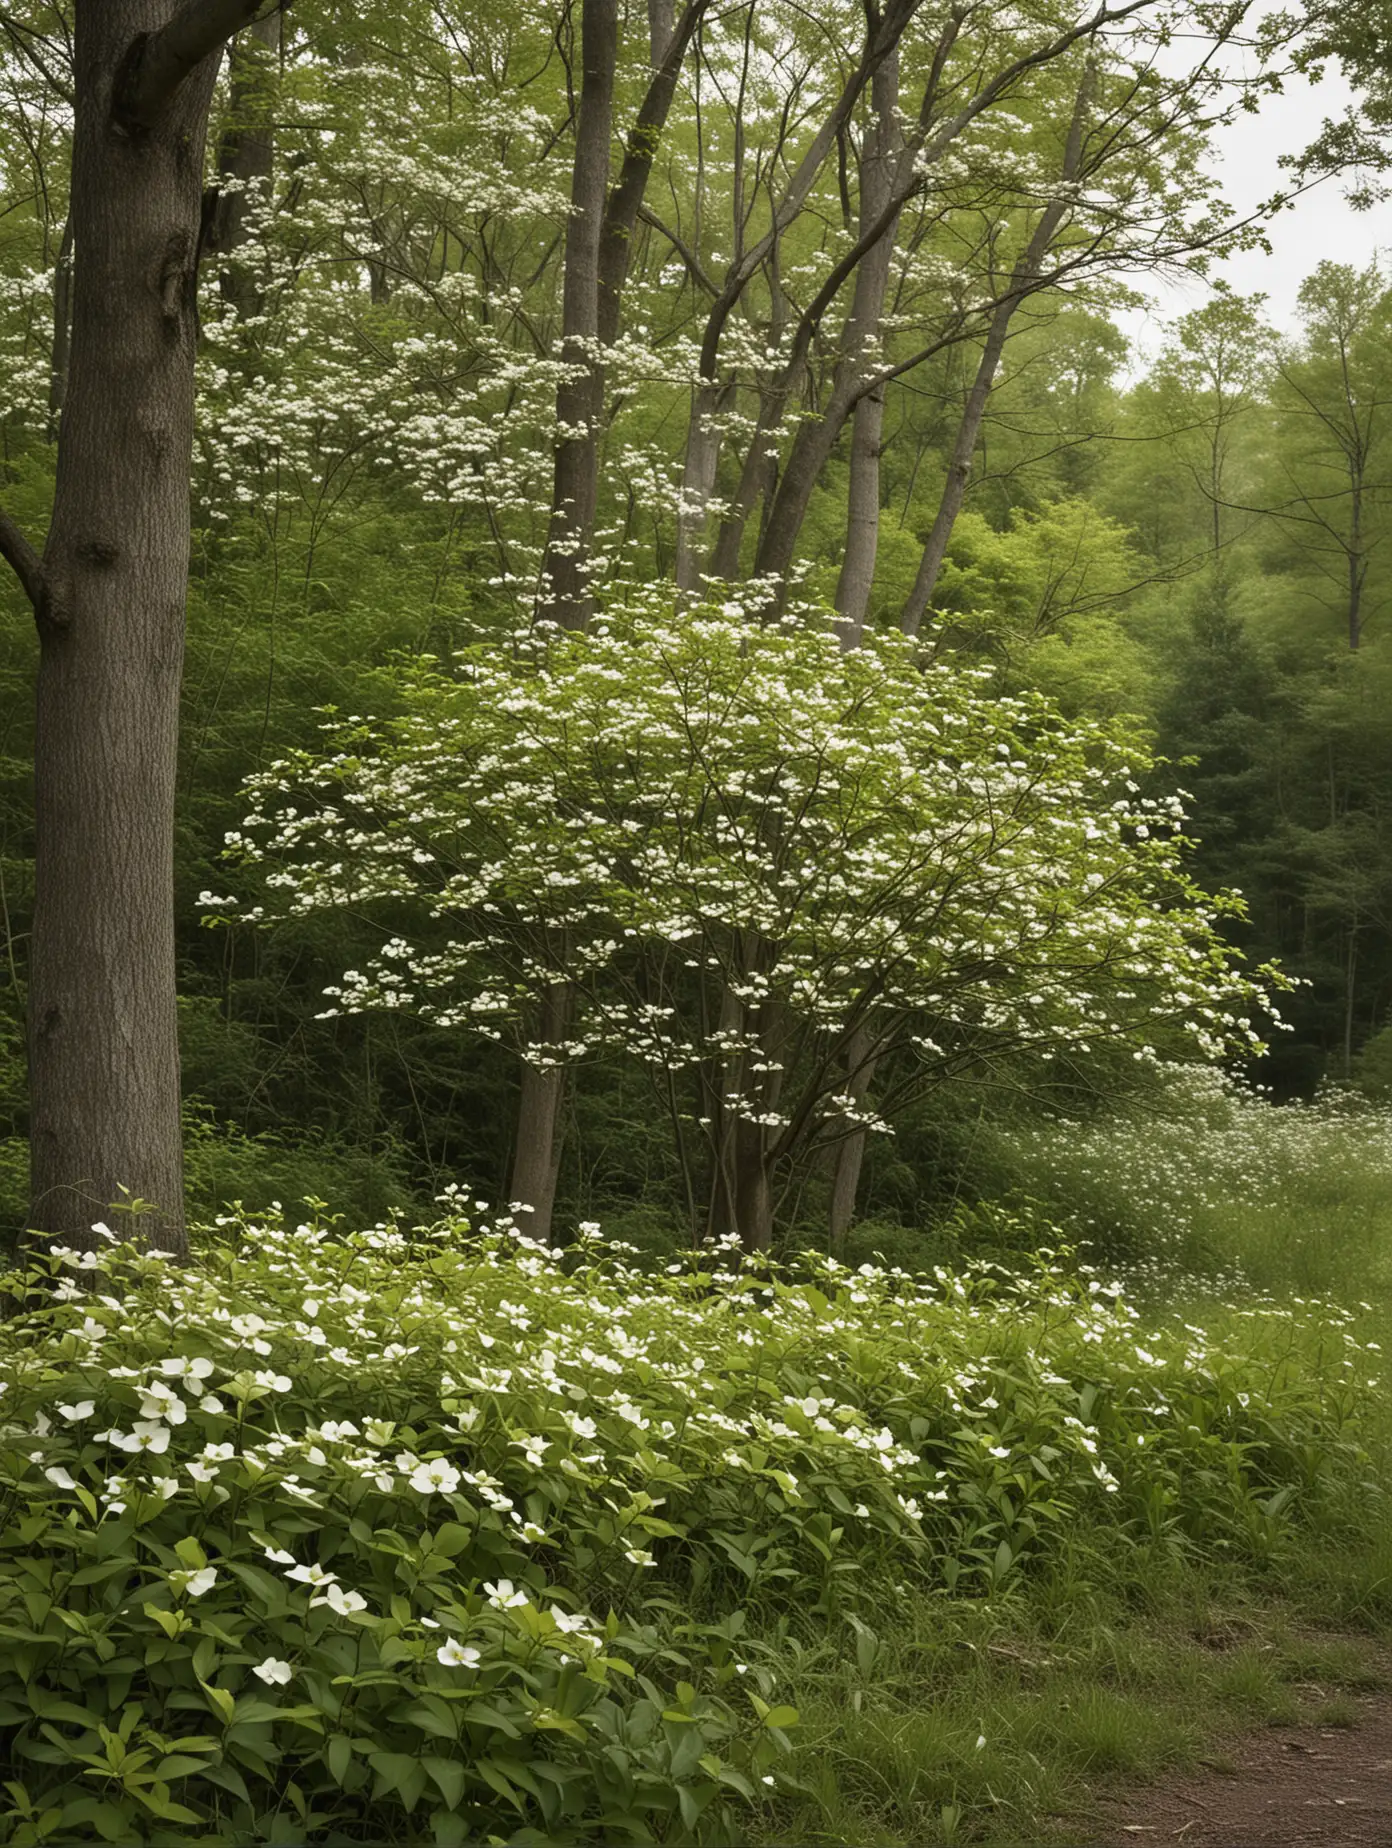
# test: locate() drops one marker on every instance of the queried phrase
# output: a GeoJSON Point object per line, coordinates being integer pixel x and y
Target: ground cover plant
{"type": "Point", "coordinates": [447, 1535]}
{"type": "Point", "coordinates": [1202, 1176]}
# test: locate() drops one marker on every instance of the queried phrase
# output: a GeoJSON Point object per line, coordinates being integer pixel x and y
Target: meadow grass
{"type": "Point", "coordinates": [1007, 1721]}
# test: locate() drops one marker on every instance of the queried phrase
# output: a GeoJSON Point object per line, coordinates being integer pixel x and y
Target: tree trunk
{"type": "Point", "coordinates": [661, 25]}
{"type": "Point", "coordinates": [1025, 274]}
{"type": "Point", "coordinates": [566, 593]}
{"type": "Point", "coordinates": [246, 155]}
{"type": "Point", "coordinates": [742, 1203]}
{"type": "Point", "coordinates": [62, 331]}
{"type": "Point", "coordinates": [753, 1188]}
{"type": "Point", "coordinates": [698, 483]}
{"type": "Point", "coordinates": [954, 492]}
{"type": "Point", "coordinates": [816, 439]}
{"type": "Point", "coordinates": [536, 1161]}
{"type": "Point", "coordinates": [862, 520]}
{"type": "Point", "coordinates": [863, 493]}
{"type": "Point", "coordinates": [103, 1039]}
{"type": "Point", "coordinates": [850, 1152]}
{"type": "Point", "coordinates": [1357, 570]}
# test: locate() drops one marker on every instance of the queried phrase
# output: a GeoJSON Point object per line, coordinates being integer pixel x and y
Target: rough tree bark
{"type": "Point", "coordinates": [108, 596]}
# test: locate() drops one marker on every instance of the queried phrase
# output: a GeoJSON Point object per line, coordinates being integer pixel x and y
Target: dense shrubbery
{"type": "Point", "coordinates": [443, 1536]}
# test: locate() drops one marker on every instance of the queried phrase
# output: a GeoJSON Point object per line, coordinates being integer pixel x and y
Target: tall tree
{"type": "Point", "coordinates": [108, 593]}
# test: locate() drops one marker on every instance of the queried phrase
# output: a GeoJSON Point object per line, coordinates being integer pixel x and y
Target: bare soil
{"type": "Point", "coordinates": [1303, 1786]}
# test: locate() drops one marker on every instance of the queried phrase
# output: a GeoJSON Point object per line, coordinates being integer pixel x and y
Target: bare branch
{"type": "Point", "coordinates": [16, 550]}
{"type": "Point", "coordinates": [160, 61]}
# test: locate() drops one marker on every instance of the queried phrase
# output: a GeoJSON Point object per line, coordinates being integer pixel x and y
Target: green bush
{"type": "Point", "coordinates": [444, 1537]}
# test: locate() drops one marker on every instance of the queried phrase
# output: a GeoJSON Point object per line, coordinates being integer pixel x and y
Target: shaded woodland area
{"type": "Point", "coordinates": [821, 308]}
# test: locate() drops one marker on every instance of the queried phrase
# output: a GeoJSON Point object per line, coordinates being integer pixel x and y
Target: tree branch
{"type": "Point", "coordinates": [160, 61]}
{"type": "Point", "coordinates": [16, 550]}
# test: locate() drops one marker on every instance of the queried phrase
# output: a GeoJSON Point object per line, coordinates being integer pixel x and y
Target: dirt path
{"type": "Point", "coordinates": [1290, 1787]}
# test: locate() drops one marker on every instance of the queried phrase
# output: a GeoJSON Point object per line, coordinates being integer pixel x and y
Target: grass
{"type": "Point", "coordinates": [1002, 1723]}
{"type": "Point", "coordinates": [1112, 1670]}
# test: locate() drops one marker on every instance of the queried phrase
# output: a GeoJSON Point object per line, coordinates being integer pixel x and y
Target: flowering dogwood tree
{"type": "Point", "coordinates": [799, 885]}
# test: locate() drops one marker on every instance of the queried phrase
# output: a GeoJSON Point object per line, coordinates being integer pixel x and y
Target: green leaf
{"type": "Point", "coordinates": [338, 1755]}
{"type": "Point", "coordinates": [223, 1702]}
{"type": "Point", "coordinates": [450, 1831]}
{"type": "Point", "coordinates": [451, 1539]}
{"type": "Point", "coordinates": [499, 1783]}
{"type": "Point", "coordinates": [449, 1778]}
{"type": "Point", "coordinates": [177, 1764]}
{"type": "Point", "coordinates": [190, 1553]}
{"type": "Point", "coordinates": [169, 1621]}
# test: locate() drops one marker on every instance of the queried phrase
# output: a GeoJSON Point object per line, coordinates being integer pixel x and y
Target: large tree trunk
{"type": "Point", "coordinates": [103, 1041]}
{"type": "Point", "coordinates": [566, 594]}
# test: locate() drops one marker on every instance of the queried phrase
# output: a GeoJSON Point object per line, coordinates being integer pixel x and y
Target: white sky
{"type": "Point", "coordinates": [1319, 225]}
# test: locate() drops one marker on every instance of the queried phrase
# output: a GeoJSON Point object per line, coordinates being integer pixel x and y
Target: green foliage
{"type": "Point", "coordinates": [445, 1536]}
{"type": "Point", "coordinates": [1201, 1182]}
{"type": "Point", "coordinates": [741, 852]}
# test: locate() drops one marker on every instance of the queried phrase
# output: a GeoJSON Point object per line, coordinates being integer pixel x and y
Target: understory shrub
{"type": "Point", "coordinates": [445, 1536]}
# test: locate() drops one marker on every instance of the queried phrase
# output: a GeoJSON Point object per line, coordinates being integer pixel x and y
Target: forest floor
{"type": "Point", "coordinates": [1324, 1781]}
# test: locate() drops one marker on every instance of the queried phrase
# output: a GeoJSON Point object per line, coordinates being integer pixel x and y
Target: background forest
{"type": "Point", "coordinates": [750, 777]}
{"type": "Point", "coordinates": [956, 438]}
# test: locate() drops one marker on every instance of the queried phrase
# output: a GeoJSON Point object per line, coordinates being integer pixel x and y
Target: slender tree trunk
{"type": "Point", "coordinates": [1025, 273]}
{"type": "Point", "coordinates": [566, 592]}
{"type": "Point", "coordinates": [536, 1160]}
{"type": "Point", "coordinates": [850, 1151]}
{"type": "Point", "coordinates": [661, 25]}
{"type": "Point", "coordinates": [62, 331]}
{"type": "Point", "coordinates": [1356, 571]}
{"type": "Point", "coordinates": [863, 494]}
{"type": "Point", "coordinates": [698, 483]}
{"type": "Point", "coordinates": [245, 159]}
{"type": "Point", "coordinates": [954, 492]}
{"type": "Point", "coordinates": [109, 601]}
{"type": "Point", "coordinates": [857, 577]}
{"type": "Point", "coordinates": [816, 438]}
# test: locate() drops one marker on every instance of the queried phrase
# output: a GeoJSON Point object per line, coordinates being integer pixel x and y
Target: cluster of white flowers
{"type": "Point", "coordinates": [742, 852]}
{"type": "Point", "coordinates": [708, 1387]}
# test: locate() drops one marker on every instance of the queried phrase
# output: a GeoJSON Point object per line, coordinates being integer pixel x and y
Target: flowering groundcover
{"type": "Point", "coordinates": [443, 1536]}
